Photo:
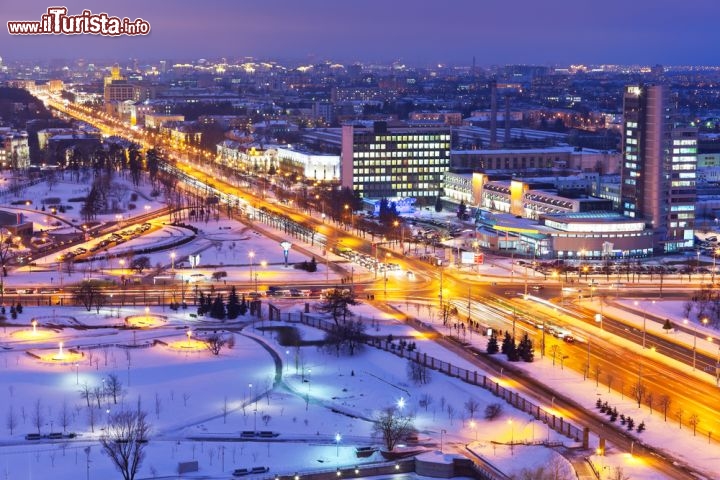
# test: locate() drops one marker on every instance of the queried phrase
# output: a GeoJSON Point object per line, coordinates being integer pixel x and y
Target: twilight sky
{"type": "Point", "coordinates": [417, 32]}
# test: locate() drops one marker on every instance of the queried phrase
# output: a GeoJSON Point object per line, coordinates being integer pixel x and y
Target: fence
{"type": "Point", "coordinates": [554, 422]}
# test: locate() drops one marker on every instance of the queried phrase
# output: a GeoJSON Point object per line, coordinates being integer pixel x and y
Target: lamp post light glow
{"type": "Point", "coordinates": [337, 444]}
{"type": "Point", "coordinates": [512, 437]}
{"type": "Point", "coordinates": [286, 249]}
{"type": "Point", "coordinates": [401, 403]}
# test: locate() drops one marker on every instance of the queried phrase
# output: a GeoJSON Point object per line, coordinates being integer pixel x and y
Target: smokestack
{"type": "Point", "coordinates": [507, 119]}
{"type": "Point", "coordinates": [493, 114]}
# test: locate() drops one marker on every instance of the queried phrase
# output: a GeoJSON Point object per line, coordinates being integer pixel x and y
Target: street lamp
{"type": "Point", "coordinates": [694, 344]}
{"type": "Point", "coordinates": [172, 260]}
{"type": "Point", "coordinates": [512, 437]}
{"type": "Point", "coordinates": [442, 432]}
{"type": "Point", "coordinates": [387, 257]}
{"type": "Point", "coordinates": [122, 266]}
{"type": "Point", "coordinates": [251, 254]}
{"type": "Point", "coordinates": [644, 320]}
{"type": "Point", "coordinates": [337, 444]}
{"type": "Point", "coordinates": [473, 426]}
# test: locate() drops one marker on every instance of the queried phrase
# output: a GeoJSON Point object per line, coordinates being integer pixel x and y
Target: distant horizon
{"type": "Point", "coordinates": [238, 59]}
{"type": "Point", "coordinates": [561, 32]}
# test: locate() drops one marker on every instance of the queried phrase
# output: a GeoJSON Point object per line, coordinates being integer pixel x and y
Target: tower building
{"type": "Point", "coordinates": [658, 168]}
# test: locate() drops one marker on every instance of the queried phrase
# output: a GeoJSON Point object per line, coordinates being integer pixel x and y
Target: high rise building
{"type": "Point", "coordinates": [658, 168]}
{"type": "Point", "coordinates": [398, 162]}
{"type": "Point", "coordinates": [117, 88]}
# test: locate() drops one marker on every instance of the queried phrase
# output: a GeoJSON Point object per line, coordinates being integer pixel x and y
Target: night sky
{"type": "Point", "coordinates": [417, 32]}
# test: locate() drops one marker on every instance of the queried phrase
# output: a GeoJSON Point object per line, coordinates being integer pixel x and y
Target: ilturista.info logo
{"type": "Point", "coordinates": [57, 22]}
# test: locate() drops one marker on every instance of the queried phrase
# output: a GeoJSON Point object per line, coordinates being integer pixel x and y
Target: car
{"type": "Point", "coordinates": [537, 288]}
{"type": "Point", "coordinates": [240, 472]}
{"type": "Point", "coordinates": [33, 436]}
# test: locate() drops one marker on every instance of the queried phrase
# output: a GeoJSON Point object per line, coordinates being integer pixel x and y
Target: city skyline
{"type": "Point", "coordinates": [563, 32]}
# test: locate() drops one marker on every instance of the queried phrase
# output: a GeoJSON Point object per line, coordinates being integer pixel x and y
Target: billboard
{"type": "Point", "coordinates": [471, 258]}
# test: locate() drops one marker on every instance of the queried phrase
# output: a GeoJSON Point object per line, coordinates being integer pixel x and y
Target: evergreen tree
{"type": "Point", "coordinates": [201, 305]}
{"type": "Point", "coordinates": [243, 306]}
{"type": "Point", "coordinates": [492, 345]}
{"type": "Point", "coordinates": [525, 349]}
{"type": "Point", "coordinates": [218, 308]}
{"type": "Point", "coordinates": [462, 209]}
{"type": "Point", "coordinates": [438, 204]}
{"type": "Point", "coordinates": [506, 344]}
{"type": "Point", "coordinates": [233, 305]}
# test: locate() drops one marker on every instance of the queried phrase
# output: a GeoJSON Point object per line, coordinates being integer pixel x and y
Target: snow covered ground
{"type": "Point", "coordinates": [186, 393]}
{"type": "Point", "coordinates": [192, 394]}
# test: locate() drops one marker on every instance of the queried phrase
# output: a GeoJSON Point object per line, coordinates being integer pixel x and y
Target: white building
{"type": "Point", "coordinates": [315, 166]}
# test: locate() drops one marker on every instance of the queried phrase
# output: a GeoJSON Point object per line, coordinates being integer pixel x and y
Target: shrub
{"type": "Point", "coordinates": [493, 411]}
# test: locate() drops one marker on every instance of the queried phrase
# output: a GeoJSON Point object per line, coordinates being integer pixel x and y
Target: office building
{"type": "Point", "coordinates": [658, 171]}
{"type": "Point", "coordinates": [398, 162]}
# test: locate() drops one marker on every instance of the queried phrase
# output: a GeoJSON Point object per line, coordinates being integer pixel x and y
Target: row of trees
{"type": "Point", "coordinates": [514, 352]}
{"type": "Point", "coordinates": [217, 308]}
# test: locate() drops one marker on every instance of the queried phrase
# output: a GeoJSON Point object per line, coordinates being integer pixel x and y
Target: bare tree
{"type": "Point", "coordinates": [11, 420]}
{"type": "Point", "coordinates": [158, 405]}
{"type": "Point", "coordinates": [694, 421]}
{"type": "Point", "coordinates": [638, 392]}
{"type": "Point", "coordinates": [88, 294]}
{"type": "Point", "coordinates": [555, 469]}
{"type": "Point", "coordinates": [100, 301]}
{"type": "Point", "coordinates": [65, 416]}
{"type": "Point", "coordinates": [418, 373]}
{"type": "Point", "coordinates": [650, 400]}
{"type": "Point", "coordinates": [86, 393]}
{"type": "Point", "coordinates": [425, 401]}
{"type": "Point", "coordinates": [345, 337]}
{"type": "Point", "coordinates": [98, 394]}
{"type": "Point", "coordinates": [113, 387]}
{"type": "Point", "coordinates": [493, 411]}
{"type": "Point", "coordinates": [665, 401]}
{"type": "Point", "coordinates": [124, 441]}
{"type": "Point", "coordinates": [451, 412]}
{"type": "Point", "coordinates": [679, 413]}
{"type": "Point", "coordinates": [6, 244]}
{"type": "Point", "coordinates": [337, 303]}
{"type": "Point", "coordinates": [617, 473]}
{"type": "Point", "coordinates": [37, 416]}
{"type": "Point", "coordinates": [214, 343]}
{"type": "Point", "coordinates": [392, 426]}
{"type": "Point", "coordinates": [471, 407]}
{"type": "Point", "coordinates": [91, 418]}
